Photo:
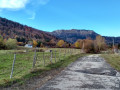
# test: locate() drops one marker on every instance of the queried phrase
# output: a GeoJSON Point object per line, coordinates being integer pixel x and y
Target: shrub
{"type": "Point", "coordinates": [89, 46]}
{"type": "Point", "coordinates": [11, 43]}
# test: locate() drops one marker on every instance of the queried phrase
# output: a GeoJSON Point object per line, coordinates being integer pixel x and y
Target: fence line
{"type": "Point", "coordinates": [39, 59]}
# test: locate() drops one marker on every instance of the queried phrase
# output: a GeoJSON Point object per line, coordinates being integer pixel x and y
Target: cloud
{"type": "Point", "coordinates": [33, 16]}
{"type": "Point", "coordinates": [28, 6]}
{"type": "Point", "coordinates": [13, 4]}
{"type": "Point", "coordinates": [18, 4]}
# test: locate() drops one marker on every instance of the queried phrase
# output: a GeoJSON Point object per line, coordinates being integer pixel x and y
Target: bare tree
{"type": "Point", "coordinates": [100, 42]}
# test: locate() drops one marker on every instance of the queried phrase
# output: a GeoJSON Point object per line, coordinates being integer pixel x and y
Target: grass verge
{"type": "Point", "coordinates": [113, 60]}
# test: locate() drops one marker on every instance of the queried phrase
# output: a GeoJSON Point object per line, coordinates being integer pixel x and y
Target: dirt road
{"type": "Point", "coordinates": [87, 73]}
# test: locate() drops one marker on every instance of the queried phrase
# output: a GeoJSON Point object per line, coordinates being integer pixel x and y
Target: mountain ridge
{"type": "Point", "coordinates": [73, 35]}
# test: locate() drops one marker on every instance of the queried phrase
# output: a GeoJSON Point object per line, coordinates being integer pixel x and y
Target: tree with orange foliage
{"type": "Point", "coordinates": [60, 43]}
{"type": "Point", "coordinates": [89, 45]}
{"type": "Point", "coordinates": [34, 43]}
{"type": "Point", "coordinates": [52, 43]}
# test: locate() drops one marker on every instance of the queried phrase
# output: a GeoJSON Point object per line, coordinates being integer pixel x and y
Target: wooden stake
{"type": "Point", "coordinates": [55, 56]}
{"type": "Point", "coordinates": [44, 58]}
{"type": "Point", "coordinates": [34, 59]}
{"type": "Point", "coordinates": [51, 56]}
{"type": "Point", "coordinates": [13, 66]}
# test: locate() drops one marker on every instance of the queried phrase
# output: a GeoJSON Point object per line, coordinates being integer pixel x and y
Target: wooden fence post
{"type": "Point", "coordinates": [68, 51]}
{"type": "Point", "coordinates": [34, 59]}
{"type": "Point", "coordinates": [59, 54]}
{"type": "Point", "coordinates": [55, 56]}
{"type": "Point", "coordinates": [71, 51]}
{"type": "Point", "coordinates": [44, 58]}
{"type": "Point", "coordinates": [51, 56]}
{"type": "Point", "coordinates": [13, 66]}
{"type": "Point", "coordinates": [64, 53]}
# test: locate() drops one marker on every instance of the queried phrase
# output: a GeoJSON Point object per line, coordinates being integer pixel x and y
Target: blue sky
{"type": "Point", "coordinates": [102, 16]}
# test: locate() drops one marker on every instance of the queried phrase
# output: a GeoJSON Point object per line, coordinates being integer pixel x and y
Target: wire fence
{"type": "Point", "coordinates": [16, 64]}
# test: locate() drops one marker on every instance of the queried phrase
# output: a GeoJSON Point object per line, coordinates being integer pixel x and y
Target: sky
{"type": "Point", "coordinates": [102, 16]}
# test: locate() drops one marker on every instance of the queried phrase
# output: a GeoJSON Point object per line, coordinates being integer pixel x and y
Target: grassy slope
{"type": "Point", "coordinates": [23, 66]}
{"type": "Point", "coordinates": [113, 60]}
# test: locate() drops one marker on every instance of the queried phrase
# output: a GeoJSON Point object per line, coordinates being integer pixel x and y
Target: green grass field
{"type": "Point", "coordinates": [23, 68]}
{"type": "Point", "coordinates": [113, 60]}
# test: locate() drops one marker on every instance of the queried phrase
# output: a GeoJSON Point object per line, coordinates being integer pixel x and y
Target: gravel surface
{"type": "Point", "coordinates": [87, 73]}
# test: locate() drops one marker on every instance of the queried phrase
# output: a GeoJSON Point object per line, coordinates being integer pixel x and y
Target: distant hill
{"type": "Point", "coordinates": [75, 34]}
{"type": "Point", "coordinates": [11, 29]}
{"type": "Point", "coordinates": [24, 33]}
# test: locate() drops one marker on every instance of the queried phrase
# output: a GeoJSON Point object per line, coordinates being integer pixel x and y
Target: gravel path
{"type": "Point", "coordinates": [87, 73]}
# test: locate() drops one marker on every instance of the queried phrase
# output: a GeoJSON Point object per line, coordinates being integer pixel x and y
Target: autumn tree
{"type": "Point", "coordinates": [77, 44]}
{"type": "Point", "coordinates": [100, 42]}
{"type": "Point", "coordinates": [60, 43]}
{"type": "Point", "coordinates": [52, 43]}
{"type": "Point", "coordinates": [34, 43]}
{"type": "Point", "coordinates": [88, 46]}
{"type": "Point", "coordinates": [11, 43]}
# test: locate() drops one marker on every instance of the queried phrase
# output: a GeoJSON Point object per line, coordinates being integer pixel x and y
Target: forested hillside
{"type": "Point", "coordinates": [23, 33]}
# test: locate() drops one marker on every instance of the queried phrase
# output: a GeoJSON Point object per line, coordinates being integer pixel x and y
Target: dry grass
{"type": "Point", "coordinates": [113, 60]}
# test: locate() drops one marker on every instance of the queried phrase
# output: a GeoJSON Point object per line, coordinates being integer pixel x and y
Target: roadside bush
{"type": "Point", "coordinates": [11, 43]}
{"type": "Point", "coordinates": [89, 46]}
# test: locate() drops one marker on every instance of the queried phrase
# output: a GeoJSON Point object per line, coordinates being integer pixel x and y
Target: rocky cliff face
{"type": "Point", "coordinates": [75, 34]}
